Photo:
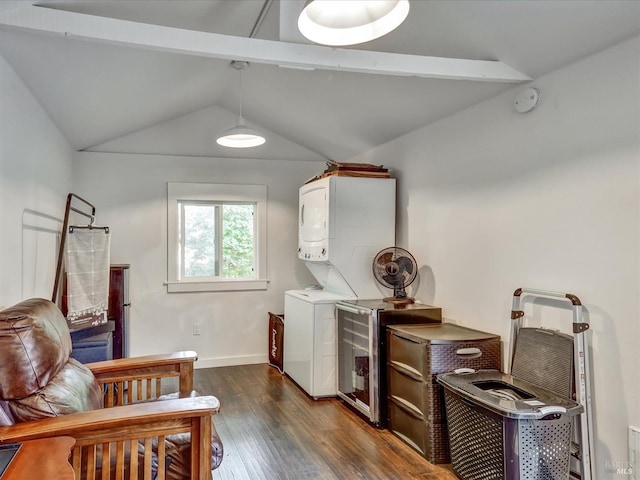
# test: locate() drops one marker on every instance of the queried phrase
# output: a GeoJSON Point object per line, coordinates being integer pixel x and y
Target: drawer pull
{"type": "Point", "coordinates": [406, 370]}
{"type": "Point", "coordinates": [408, 407]}
{"type": "Point", "coordinates": [472, 352]}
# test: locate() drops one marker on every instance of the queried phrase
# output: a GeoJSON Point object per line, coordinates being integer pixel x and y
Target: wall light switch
{"type": "Point", "coordinates": [196, 329]}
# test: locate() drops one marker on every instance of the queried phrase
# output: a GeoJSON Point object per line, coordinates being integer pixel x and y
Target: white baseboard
{"type": "Point", "coordinates": [231, 361]}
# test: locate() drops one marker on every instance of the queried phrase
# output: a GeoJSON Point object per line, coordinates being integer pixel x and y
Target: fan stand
{"type": "Point", "coordinates": [399, 300]}
{"type": "Point", "coordinates": [399, 297]}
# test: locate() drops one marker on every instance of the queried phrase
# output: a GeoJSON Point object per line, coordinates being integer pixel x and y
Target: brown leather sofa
{"type": "Point", "coordinates": [108, 407]}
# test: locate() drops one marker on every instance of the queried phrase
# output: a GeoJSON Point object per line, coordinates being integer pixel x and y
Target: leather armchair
{"type": "Point", "coordinates": [110, 407]}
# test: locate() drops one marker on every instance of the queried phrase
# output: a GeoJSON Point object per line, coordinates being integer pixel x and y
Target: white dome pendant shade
{"type": "Point", "coordinates": [349, 22]}
{"type": "Point", "coordinates": [240, 136]}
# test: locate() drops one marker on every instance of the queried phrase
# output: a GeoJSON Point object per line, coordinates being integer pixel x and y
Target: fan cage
{"type": "Point", "coordinates": [391, 255]}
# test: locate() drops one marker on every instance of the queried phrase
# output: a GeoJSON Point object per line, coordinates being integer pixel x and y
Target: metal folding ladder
{"type": "Point", "coordinates": [582, 448]}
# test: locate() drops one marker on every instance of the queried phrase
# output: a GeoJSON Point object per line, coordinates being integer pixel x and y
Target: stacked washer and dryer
{"type": "Point", "coordinates": [342, 223]}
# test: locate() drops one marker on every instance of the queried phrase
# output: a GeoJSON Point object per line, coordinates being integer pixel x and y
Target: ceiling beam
{"type": "Point", "coordinates": [204, 44]}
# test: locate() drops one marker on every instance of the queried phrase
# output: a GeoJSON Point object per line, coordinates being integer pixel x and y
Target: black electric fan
{"type": "Point", "coordinates": [394, 267]}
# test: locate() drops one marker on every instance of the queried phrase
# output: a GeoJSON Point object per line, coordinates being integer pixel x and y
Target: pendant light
{"type": "Point", "coordinates": [349, 22]}
{"type": "Point", "coordinates": [240, 136]}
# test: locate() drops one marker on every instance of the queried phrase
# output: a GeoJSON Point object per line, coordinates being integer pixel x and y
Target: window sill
{"type": "Point", "coordinates": [221, 286]}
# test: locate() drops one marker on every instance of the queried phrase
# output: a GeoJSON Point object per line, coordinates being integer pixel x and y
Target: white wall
{"type": "Point", "coordinates": [492, 200]}
{"type": "Point", "coordinates": [35, 177]}
{"type": "Point", "coordinates": [489, 200]}
{"type": "Point", "coordinates": [130, 195]}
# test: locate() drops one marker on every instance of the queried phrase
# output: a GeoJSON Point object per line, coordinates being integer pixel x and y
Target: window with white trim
{"type": "Point", "coordinates": [216, 237]}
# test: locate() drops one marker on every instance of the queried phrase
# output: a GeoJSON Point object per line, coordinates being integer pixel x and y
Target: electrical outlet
{"type": "Point", "coordinates": [196, 329]}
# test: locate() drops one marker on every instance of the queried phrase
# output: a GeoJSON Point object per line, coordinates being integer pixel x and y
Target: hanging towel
{"type": "Point", "coordinates": [87, 265]}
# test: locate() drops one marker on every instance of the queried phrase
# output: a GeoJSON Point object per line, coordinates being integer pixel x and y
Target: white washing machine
{"type": "Point", "coordinates": [310, 340]}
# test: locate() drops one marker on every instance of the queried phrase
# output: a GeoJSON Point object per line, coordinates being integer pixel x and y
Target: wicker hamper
{"type": "Point", "coordinates": [502, 427]}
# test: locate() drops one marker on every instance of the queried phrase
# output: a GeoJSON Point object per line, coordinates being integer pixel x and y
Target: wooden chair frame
{"type": "Point", "coordinates": [105, 439]}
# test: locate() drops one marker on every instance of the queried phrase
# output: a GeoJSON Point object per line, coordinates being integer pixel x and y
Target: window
{"type": "Point", "coordinates": [216, 240]}
{"type": "Point", "coordinates": [216, 237]}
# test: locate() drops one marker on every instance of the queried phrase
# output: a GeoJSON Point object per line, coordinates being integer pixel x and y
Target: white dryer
{"type": "Point", "coordinates": [342, 223]}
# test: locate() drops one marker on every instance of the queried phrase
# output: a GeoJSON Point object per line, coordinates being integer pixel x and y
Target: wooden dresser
{"type": "Point", "coordinates": [416, 355]}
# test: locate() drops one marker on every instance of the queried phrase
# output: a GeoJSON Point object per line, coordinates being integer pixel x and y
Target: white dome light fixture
{"type": "Point", "coordinates": [240, 136]}
{"type": "Point", "coordinates": [349, 22]}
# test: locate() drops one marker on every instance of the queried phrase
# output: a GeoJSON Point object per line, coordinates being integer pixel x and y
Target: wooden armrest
{"type": "Point", "coordinates": [103, 437]}
{"type": "Point", "coordinates": [147, 361]}
{"type": "Point", "coordinates": [149, 367]}
{"type": "Point", "coordinates": [107, 422]}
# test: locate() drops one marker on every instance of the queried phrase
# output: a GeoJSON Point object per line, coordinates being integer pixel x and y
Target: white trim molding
{"type": "Point", "coordinates": [220, 192]}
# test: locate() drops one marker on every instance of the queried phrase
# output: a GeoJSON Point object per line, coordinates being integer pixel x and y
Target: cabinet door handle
{"type": "Point", "coordinates": [347, 308]}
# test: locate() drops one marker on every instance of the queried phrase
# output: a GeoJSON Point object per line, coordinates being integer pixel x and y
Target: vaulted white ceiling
{"type": "Point", "coordinates": [118, 86]}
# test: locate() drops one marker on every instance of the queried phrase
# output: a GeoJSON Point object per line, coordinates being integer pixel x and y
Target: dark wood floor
{"type": "Point", "coordinates": [272, 430]}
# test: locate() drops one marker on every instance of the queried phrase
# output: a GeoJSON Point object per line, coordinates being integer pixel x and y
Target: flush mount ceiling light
{"type": "Point", "coordinates": [349, 22]}
{"type": "Point", "coordinates": [240, 136]}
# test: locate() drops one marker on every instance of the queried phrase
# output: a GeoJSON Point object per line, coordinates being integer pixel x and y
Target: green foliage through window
{"type": "Point", "coordinates": [238, 257]}
{"type": "Point", "coordinates": [217, 240]}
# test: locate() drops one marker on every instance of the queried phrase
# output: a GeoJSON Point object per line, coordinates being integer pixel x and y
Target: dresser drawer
{"type": "Point", "coordinates": [407, 424]}
{"type": "Point", "coordinates": [433, 349]}
{"type": "Point", "coordinates": [408, 353]}
{"type": "Point", "coordinates": [479, 355]}
{"type": "Point", "coordinates": [430, 440]}
{"type": "Point", "coordinates": [426, 397]}
{"type": "Point", "coordinates": [409, 388]}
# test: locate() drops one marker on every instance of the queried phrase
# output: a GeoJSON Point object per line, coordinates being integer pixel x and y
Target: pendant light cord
{"type": "Point", "coordinates": [240, 65]}
{"type": "Point", "coordinates": [241, 92]}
